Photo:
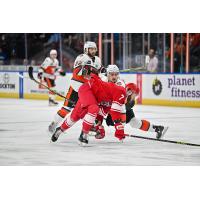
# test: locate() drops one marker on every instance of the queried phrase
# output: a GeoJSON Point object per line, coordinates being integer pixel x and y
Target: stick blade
{"type": "Point", "coordinates": [30, 72]}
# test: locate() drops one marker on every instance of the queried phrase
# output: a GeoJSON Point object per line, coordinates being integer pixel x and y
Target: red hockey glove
{"type": "Point", "coordinates": [100, 132]}
{"type": "Point", "coordinates": [119, 131]}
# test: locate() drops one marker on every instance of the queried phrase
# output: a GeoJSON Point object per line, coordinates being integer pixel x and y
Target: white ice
{"type": "Point", "coordinates": [24, 139]}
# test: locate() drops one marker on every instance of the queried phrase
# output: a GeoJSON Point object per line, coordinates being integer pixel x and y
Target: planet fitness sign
{"type": "Point", "coordinates": [186, 87]}
{"type": "Point", "coordinates": [170, 87]}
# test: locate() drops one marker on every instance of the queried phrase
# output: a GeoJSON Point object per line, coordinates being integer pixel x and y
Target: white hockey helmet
{"type": "Point", "coordinates": [88, 45]}
{"type": "Point", "coordinates": [112, 68]}
{"type": "Point", "coordinates": [53, 52]}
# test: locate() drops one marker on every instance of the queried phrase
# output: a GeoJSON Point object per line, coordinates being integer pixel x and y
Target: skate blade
{"type": "Point", "coordinates": [53, 105]}
{"type": "Point", "coordinates": [82, 144]}
{"type": "Point", "coordinates": [121, 141]}
{"type": "Point", "coordinates": [53, 141]}
{"type": "Point", "coordinates": [164, 131]}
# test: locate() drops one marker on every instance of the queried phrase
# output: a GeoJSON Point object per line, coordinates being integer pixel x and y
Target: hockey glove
{"type": "Point", "coordinates": [119, 131]}
{"type": "Point", "coordinates": [62, 73]}
{"type": "Point", "coordinates": [100, 132]}
{"type": "Point", "coordinates": [40, 73]}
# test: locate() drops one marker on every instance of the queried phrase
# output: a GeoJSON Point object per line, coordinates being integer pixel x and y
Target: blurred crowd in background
{"type": "Point", "coordinates": [132, 51]}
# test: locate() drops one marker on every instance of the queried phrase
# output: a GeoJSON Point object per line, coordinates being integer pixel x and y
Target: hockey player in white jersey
{"type": "Point", "coordinates": [79, 76]}
{"type": "Point", "coordinates": [48, 71]}
{"type": "Point", "coordinates": [129, 117]}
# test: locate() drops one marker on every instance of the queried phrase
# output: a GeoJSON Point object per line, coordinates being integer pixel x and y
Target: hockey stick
{"type": "Point", "coordinates": [162, 140]}
{"type": "Point", "coordinates": [30, 73]}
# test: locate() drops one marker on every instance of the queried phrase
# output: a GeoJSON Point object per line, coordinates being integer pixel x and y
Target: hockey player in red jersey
{"type": "Point", "coordinates": [48, 71]}
{"type": "Point", "coordinates": [96, 99]}
{"type": "Point", "coordinates": [132, 92]}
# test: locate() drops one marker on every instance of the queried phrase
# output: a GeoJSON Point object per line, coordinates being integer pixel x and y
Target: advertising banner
{"type": "Point", "coordinates": [33, 90]}
{"type": "Point", "coordinates": [171, 89]}
{"type": "Point", "coordinates": [155, 89]}
{"type": "Point", "coordinates": [9, 84]}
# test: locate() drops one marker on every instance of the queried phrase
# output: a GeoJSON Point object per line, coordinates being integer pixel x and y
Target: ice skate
{"type": "Point", "coordinates": [160, 130]}
{"type": "Point", "coordinates": [83, 139]}
{"type": "Point", "coordinates": [52, 102]}
{"type": "Point", "coordinates": [56, 135]}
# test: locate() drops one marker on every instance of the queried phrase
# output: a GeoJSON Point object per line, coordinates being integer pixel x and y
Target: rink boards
{"type": "Point", "coordinates": [155, 89]}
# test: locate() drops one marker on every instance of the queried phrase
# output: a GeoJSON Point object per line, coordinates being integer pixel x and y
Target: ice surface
{"type": "Point", "coordinates": [24, 139]}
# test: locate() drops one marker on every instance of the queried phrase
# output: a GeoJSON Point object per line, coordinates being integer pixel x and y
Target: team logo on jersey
{"type": "Point", "coordinates": [157, 87]}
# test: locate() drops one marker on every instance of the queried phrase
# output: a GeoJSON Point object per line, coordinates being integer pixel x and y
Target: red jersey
{"type": "Point", "coordinates": [109, 95]}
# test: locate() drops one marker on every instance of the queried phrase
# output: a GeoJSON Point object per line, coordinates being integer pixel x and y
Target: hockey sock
{"type": "Point", "coordinates": [141, 124]}
{"type": "Point", "coordinates": [89, 119]}
{"type": "Point", "coordinates": [67, 123]}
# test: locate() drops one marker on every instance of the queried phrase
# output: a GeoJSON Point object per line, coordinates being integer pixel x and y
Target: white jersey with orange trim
{"type": "Point", "coordinates": [50, 66]}
{"type": "Point", "coordinates": [77, 78]}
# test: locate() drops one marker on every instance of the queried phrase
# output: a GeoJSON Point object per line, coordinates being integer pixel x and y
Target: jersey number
{"type": "Point", "coordinates": [122, 96]}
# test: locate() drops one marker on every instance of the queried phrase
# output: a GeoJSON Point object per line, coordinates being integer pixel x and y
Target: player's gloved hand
{"type": "Point", "coordinates": [40, 75]}
{"type": "Point", "coordinates": [86, 70]}
{"type": "Point", "coordinates": [119, 131]}
{"type": "Point", "coordinates": [100, 132]}
{"type": "Point", "coordinates": [62, 73]}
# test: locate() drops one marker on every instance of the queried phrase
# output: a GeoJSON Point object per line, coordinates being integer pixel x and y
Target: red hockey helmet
{"type": "Point", "coordinates": [132, 88]}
